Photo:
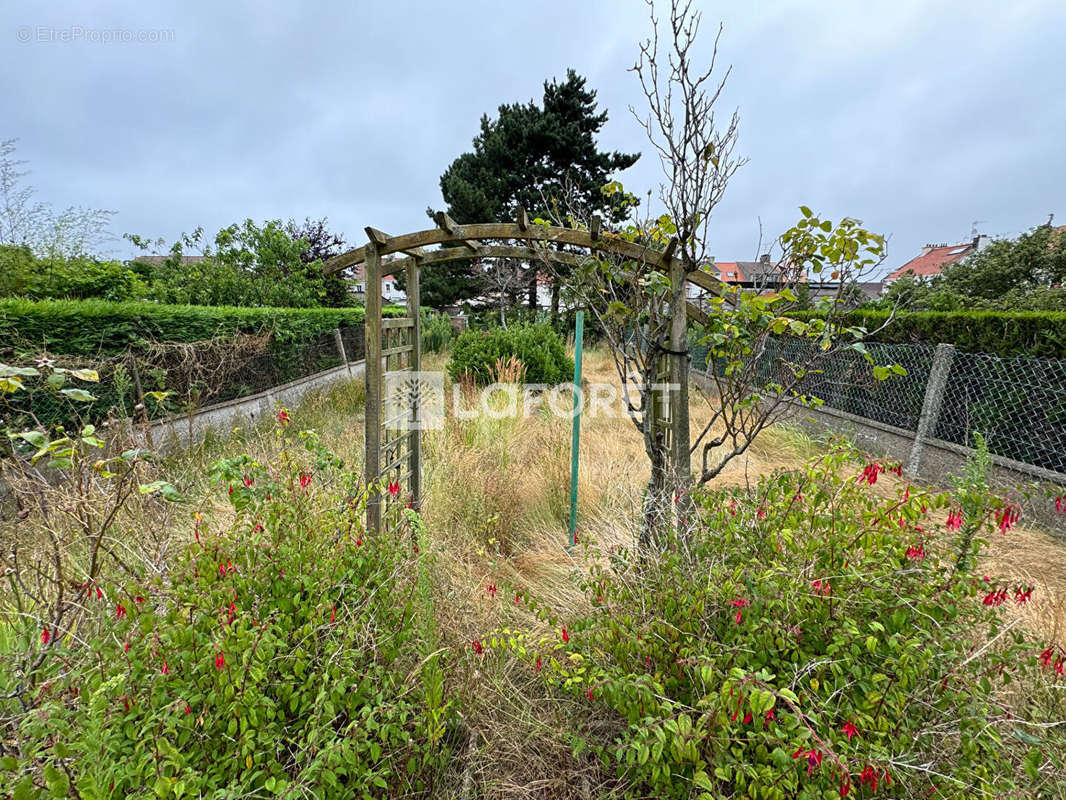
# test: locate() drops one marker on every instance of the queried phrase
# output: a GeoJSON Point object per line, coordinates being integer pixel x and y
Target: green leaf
{"type": "Point", "coordinates": [86, 375]}
{"type": "Point", "coordinates": [701, 780]}
{"type": "Point", "coordinates": [77, 394]}
{"type": "Point", "coordinates": [36, 438]}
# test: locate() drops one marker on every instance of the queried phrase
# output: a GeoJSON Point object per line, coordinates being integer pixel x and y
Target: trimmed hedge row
{"type": "Point", "coordinates": [100, 328]}
{"type": "Point", "coordinates": [1001, 333]}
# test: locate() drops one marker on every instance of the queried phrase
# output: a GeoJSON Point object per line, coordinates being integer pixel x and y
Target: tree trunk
{"type": "Point", "coordinates": [533, 289]}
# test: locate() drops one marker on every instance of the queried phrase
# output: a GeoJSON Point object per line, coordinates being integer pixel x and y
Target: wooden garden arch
{"type": "Point", "coordinates": [395, 344]}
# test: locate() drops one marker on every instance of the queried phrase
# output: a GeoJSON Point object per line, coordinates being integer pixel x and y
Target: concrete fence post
{"type": "Point", "coordinates": [934, 399]}
{"type": "Point", "coordinates": [340, 349]}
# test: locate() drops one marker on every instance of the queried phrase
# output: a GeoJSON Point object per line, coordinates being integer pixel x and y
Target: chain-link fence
{"type": "Point", "coordinates": [158, 380]}
{"type": "Point", "coordinates": [1017, 404]}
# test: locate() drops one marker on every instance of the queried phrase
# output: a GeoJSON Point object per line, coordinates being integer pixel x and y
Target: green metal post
{"type": "Point", "coordinates": [576, 435]}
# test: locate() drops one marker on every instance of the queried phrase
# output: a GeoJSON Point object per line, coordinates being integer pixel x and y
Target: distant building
{"type": "Point", "coordinates": [935, 258]}
{"type": "Point", "coordinates": [390, 292]}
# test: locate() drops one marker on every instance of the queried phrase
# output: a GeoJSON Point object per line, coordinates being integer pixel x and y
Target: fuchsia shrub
{"type": "Point", "coordinates": [836, 644]}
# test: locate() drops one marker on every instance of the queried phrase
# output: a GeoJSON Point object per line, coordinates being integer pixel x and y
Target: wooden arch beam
{"type": "Point", "coordinates": [502, 231]}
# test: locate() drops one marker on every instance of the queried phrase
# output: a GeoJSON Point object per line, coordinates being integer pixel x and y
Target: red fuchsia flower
{"type": "Point", "coordinates": [333, 614]}
{"type": "Point", "coordinates": [46, 636]}
{"type": "Point", "coordinates": [822, 587]}
{"type": "Point", "coordinates": [1007, 518]}
{"type": "Point", "coordinates": [1023, 596]}
{"type": "Point", "coordinates": [747, 718]}
{"type": "Point", "coordinates": [477, 646]}
{"type": "Point", "coordinates": [849, 730]}
{"type": "Point", "coordinates": [898, 469]}
{"type": "Point", "coordinates": [589, 694]}
{"type": "Point", "coordinates": [394, 489]}
{"type": "Point", "coordinates": [1045, 657]}
{"type": "Point", "coordinates": [248, 482]}
{"type": "Point", "coordinates": [996, 597]}
{"type": "Point", "coordinates": [733, 507]}
{"type": "Point", "coordinates": [539, 664]}
{"type": "Point", "coordinates": [305, 480]}
{"type": "Point", "coordinates": [165, 670]}
{"type": "Point", "coordinates": [1060, 504]}
{"type": "Point", "coordinates": [220, 660]}
{"type": "Point", "coordinates": [906, 494]}
{"type": "Point", "coordinates": [767, 718]}
{"type": "Point", "coordinates": [491, 589]}
{"type": "Point", "coordinates": [283, 418]}
{"type": "Point", "coordinates": [740, 603]}
{"type": "Point", "coordinates": [869, 473]}
{"type": "Point", "coordinates": [814, 759]}
{"type": "Point", "coordinates": [566, 636]}
{"type": "Point", "coordinates": [868, 778]}
{"type": "Point", "coordinates": [126, 646]}
{"type": "Point", "coordinates": [359, 542]}
{"type": "Point", "coordinates": [845, 785]}
{"type": "Point", "coordinates": [761, 513]}
{"type": "Point", "coordinates": [231, 490]}
{"type": "Point", "coordinates": [138, 600]}
{"type": "Point", "coordinates": [1059, 662]}
{"type": "Point", "coordinates": [916, 553]}
{"type": "Point", "coordinates": [188, 709]}
{"type": "Point", "coordinates": [954, 519]}
{"type": "Point", "coordinates": [120, 611]}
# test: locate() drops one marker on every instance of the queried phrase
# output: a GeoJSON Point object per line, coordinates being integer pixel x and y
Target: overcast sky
{"type": "Point", "coordinates": [917, 116]}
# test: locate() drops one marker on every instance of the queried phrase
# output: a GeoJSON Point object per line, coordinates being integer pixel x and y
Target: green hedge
{"type": "Point", "coordinates": [96, 327]}
{"type": "Point", "coordinates": [1002, 333]}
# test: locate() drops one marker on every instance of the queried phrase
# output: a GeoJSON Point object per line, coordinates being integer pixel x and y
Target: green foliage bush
{"type": "Point", "coordinates": [812, 638]}
{"type": "Point", "coordinates": [1002, 333]}
{"type": "Point", "coordinates": [437, 331]}
{"type": "Point", "coordinates": [283, 654]}
{"type": "Point", "coordinates": [540, 349]}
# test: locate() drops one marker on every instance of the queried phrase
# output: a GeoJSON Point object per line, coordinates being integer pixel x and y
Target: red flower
{"type": "Point", "coordinates": [1023, 596]}
{"type": "Point", "coordinates": [1045, 657]}
{"type": "Point", "coordinates": [850, 730]}
{"type": "Point", "coordinates": [138, 599]}
{"type": "Point", "coordinates": [220, 660]}
{"type": "Point", "coordinates": [359, 542]}
{"type": "Point", "coordinates": [868, 778]}
{"type": "Point", "coordinates": [333, 614]}
{"type": "Point", "coordinates": [491, 589]}
{"type": "Point", "coordinates": [589, 694]}
{"type": "Point", "coordinates": [954, 520]}
{"type": "Point", "coordinates": [46, 636]}
{"type": "Point", "coordinates": [305, 480]}
{"type": "Point", "coordinates": [1007, 518]}
{"type": "Point", "coordinates": [1060, 505]}
{"type": "Point", "coordinates": [248, 482]}
{"type": "Point", "coordinates": [747, 718]}
{"type": "Point", "coordinates": [566, 636]}
{"type": "Point", "coordinates": [478, 647]}
{"type": "Point", "coordinates": [761, 513]}
{"type": "Point", "coordinates": [996, 597]}
{"type": "Point", "coordinates": [869, 473]}
{"type": "Point", "coordinates": [539, 664]}
{"type": "Point", "coordinates": [165, 670]}
{"type": "Point", "coordinates": [283, 417]}
{"type": "Point", "coordinates": [394, 489]}
{"type": "Point", "coordinates": [822, 587]}
{"type": "Point", "coordinates": [188, 709]}
{"type": "Point", "coordinates": [916, 553]}
{"type": "Point", "coordinates": [845, 785]}
{"type": "Point", "coordinates": [120, 611]}
{"type": "Point", "coordinates": [898, 469]}
{"type": "Point", "coordinates": [814, 759]}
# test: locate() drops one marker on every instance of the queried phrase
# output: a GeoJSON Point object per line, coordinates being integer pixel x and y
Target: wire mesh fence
{"type": "Point", "coordinates": [159, 380]}
{"type": "Point", "coordinates": [1017, 404]}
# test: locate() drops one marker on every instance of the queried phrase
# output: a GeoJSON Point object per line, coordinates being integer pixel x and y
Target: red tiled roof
{"type": "Point", "coordinates": [934, 261]}
{"type": "Point", "coordinates": [729, 271]}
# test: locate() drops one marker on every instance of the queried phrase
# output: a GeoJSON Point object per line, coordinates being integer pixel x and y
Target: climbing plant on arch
{"type": "Point", "coordinates": [393, 457]}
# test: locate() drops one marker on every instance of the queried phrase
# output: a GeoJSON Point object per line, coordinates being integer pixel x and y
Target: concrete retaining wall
{"type": "Point", "coordinates": [190, 428]}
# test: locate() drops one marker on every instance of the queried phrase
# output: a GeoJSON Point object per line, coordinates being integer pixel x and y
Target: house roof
{"type": "Point", "coordinates": [933, 260]}
{"type": "Point", "coordinates": [738, 271]}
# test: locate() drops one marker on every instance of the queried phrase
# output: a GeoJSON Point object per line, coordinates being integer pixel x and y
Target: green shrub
{"type": "Point", "coordinates": [813, 639]}
{"type": "Point", "coordinates": [436, 331]}
{"type": "Point", "coordinates": [1002, 333]}
{"type": "Point", "coordinates": [284, 653]}
{"type": "Point", "coordinates": [540, 349]}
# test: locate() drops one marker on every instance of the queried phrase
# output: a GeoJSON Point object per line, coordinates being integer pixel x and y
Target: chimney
{"type": "Point", "coordinates": [764, 258]}
{"type": "Point", "coordinates": [980, 242]}
{"type": "Point", "coordinates": [928, 249]}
